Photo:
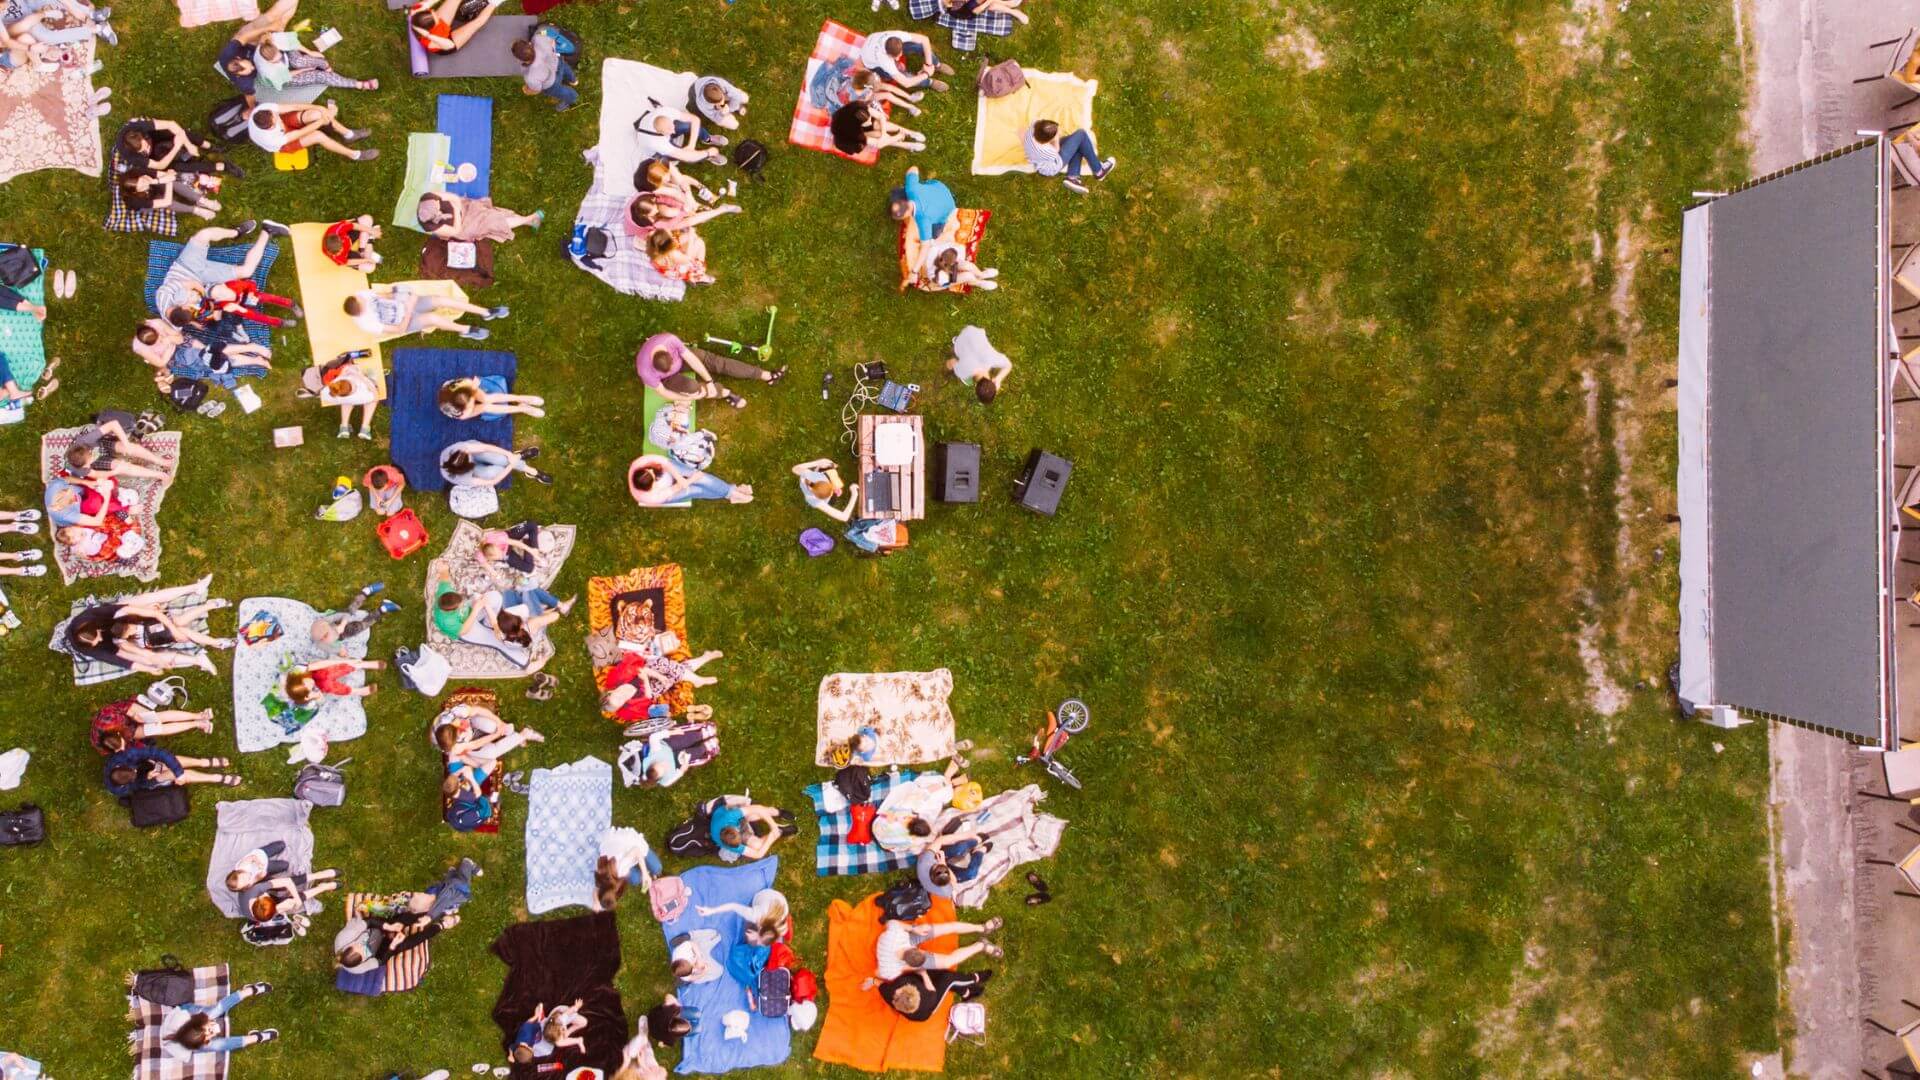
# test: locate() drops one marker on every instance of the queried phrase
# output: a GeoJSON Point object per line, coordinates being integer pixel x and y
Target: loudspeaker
{"type": "Point", "coordinates": [957, 467]}
{"type": "Point", "coordinates": [1042, 482]}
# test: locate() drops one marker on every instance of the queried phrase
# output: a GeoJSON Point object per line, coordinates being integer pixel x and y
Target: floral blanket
{"type": "Point", "coordinates": [907, 709]}
{"type": "Point", "coordinates": [46, 117]}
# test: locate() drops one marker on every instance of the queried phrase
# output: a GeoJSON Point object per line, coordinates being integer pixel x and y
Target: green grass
{"type": "Point", "coordinates": [1316, 352]}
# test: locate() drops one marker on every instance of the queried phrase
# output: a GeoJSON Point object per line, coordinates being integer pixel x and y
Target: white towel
{"type": "Point", "coordinates": [625, 89]}
{"type": "Point", "coordinates": [13, 766]}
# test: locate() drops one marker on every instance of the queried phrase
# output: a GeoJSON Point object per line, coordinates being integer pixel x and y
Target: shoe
{"type": "Point", "coordinates": [289, 324]}
{"type": "Point", "coordinates": [106, 34]}
{"type": "Point", "coordinates": [500, 312]}
{"type": "Point", "coordinates": [356, 134]}
{"type": "Point", "coordinates": [1037, 882]}
{"type": "Point", "coordinates": [1105, 168]}
{"type": "Point", "coordinates": [374, 588]}
{"type": "Point", "coordinates": [545, 478]}
{"type": "Point", "coordinates": [228, 168]}
{"type": "Point", "coordinates": [714, 140]}
{"type": "Point", "coordinates": [277, 229]}
{"type": "Point", "coordinates": [245, 228]}
{"type": "Point", "coordinates": [1075, 185]}
{"type": "Point", "coordinates": [268, 1034]}
{"type": "Point", "coordinates": [346, 431]}
{"type": "Point", "coordinates": [257, 988]}
{"type": "Point", "coordinates": [778, 375]}
{"type": "Point", "coordinates": [103, 108]}
{"type": "Point", "coordinates": [476, 333]}
{"type": "Point", "coordinates": [529, 453]}
{"type": "Point", "coordinates": [539, 219]}
{"type": "Point", "coordinates": [938, 85]}
{"type": "Point", "coordinates": [388, 607]}
{"type": "Point", "coordinates": [367, 434]}
{"type": "Point", "coordinates": [944, 69]}
{"type": "Point", "coordinates": [366, 155]}
{"type": "Point", "coordinates": [102, 14]}
{"type": "Point", "coordinates": [1036, 899]}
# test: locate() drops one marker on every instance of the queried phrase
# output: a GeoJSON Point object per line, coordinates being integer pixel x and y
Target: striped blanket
{"type": "Point", "coordinates": [160, 256]}
{"type": "Point", "coordinates": [833, 855]}
{"type": "Point", "coordinates": [88, 672]}
{"type": "Point", "coordinates": [150, 1060]}
{"type": "Point", "coordinates": [397, 975]}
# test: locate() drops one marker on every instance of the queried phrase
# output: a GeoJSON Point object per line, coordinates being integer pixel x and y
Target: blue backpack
{"type": "Point", "coordinates": [468, 813]}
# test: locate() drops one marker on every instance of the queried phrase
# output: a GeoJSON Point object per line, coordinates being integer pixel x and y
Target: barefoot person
{"type": "Point", "coordinates": [137, 632]}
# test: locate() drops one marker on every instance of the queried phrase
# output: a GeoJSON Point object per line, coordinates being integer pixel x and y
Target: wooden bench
{"type": "Point", "coordinates": [909, 478]}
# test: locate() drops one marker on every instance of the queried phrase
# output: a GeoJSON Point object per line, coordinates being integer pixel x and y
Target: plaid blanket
{"type": "Point", "coordinates": [827, 86]}
{"type": "Point", "coordinates": [150, 1060]}
{"type": "Point", "coordinates": [1019, 834]}
{"type": "Point", "coordinates": [92, 672]}
{"type": "Point", "coordinates": [160, 256]}
{"type": "Point", "coordinates": [144, 496]}
{"type": "Point", "coordinates": [625, 267]}
{"type": "Point", "coordinates": [833, 855]}
{"type": "Point", "coordinates": [966, 28]}
{"type": "Point", "coordinates": [122, 219]}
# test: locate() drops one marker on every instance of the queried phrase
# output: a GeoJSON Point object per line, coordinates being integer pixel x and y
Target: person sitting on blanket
{"type": "Point", "coordinates": [669, 1022]}
{"type": "Point", "coordinates": [956, 857]}
{"type": "Point", "coordinates": [666, 132]}
{"type": "Point", "coordinates": [898, 949]}
{"type": "Point", "coordinates": [173, 355]}
{"type": "Point", "coordinates": [243, 299]}
{"type": "Point", "coordinates": [904, 819]}
{"type": "Point", "coordinates": [718, 100]}
{"type": "Point", "coordinates": [433, 23]}
{"type": "Point", "coordinates": [130, 725]}
{"type": "Point", "coordinates": [547, 1033]}
{"type": "Point", "coordinates": [625, 859]}
{"type": "Point", "coordinates": [679, 372]}
{"type": "Point", "coordinates": [499, 548]}
{"type": "Point", "coordinates": [466, 780]}
{"type": "Point", "coordinates": [967, 9]}
{"type": "Point", "coordinates": [350, 243]}
{"type": "Point", "coordinates": [867, 88]}
{"type": "Point", "coordinates": [302, 684]}
{"type": "Point", "coordinates": [388, 311]}
{"type": "Point", "coordinates": [83, 21]}
{"type": "Point", "coordinates": [734, 828]}
{"type": "Point", "coordinates": [334, 626]}
{"type": "Point", "coordinates": [82, 501]}
{"type": "Point", "coordinates": [917, 995]}
{"type": "Point", "coordinates": [469, 731]}
{"type": "Point", "coordinates": [548, 72]}
{"type": "Point", "coordinates": [361, 946]}
{"type": "Point", "coordinates": [471, 218]}
{"type": "Point", "coordinates": [473, 463]}
{"type": "Point", "coordinates": [114, 540]}
{"type": "Point", "coordinates": [860, 125]}
{"type": "Point", "coordinates": [671, 207]}
{"type": "Point", "coordinates": [930, 204]}
{"type": "Point", "coordinates": [17, 47]}
{"type": "Point", "coordinates": [343, 383]}
{"type": "Point", "coordinates": [281, 68]}
{"type": "Point", "coordinates": [485, 397]}
{"type": "Point", "coordinates": [149, 145]}
{"type": "Point", "coordinates": [128, 633]}
{"type": "Point", "coordinates": [944, 265]}
{"type": "Point", "coordinates": [820, 484]}
{"type": "Point", "coordinates": [672, 429]}
{"type": "Point", "coordinates": [889, 51]}
{"type": "Point", "coordinates": [194, 270]}
{"type": "Point", "coordinates": [103, 448]}
{"type": "Point", "coordinates": [292, 896]}
{"type": "Point", "coordinates": [166, 190]}
{"type": "Point", "coordinates": [690, 957]}
{"type": "Point", "coordinates": [518, 616]}
{"type": "Point", "coordinates": [149, 768]}
{"type": "Point", "coordinates": [680, 255]}
{"type": "Point", "coordinates": [1051, 154]}
{"type": "Point", "coordinates": [284, 127]}
{"type": "Point", "coordinates": [257, 866]}
{"type": "Point", "coordinates": [654, 480]}
{"type": "Point", "coordinates": [661, 175]}
{"type": "Point", "coordinates": [190, 1029]}
{"type": "Point", "coordinates": [768, 920]}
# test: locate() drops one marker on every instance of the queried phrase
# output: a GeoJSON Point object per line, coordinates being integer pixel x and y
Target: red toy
{"type": "Point", "coordinates": [403, 534]}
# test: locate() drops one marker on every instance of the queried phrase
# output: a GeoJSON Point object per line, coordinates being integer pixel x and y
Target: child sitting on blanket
{"type": "Point", "coordinates": [113, 540]}
{"type": "Point", "coordinates": [858, 125]}
{"type": "Point", "coordinates": [680, 255]}
{"type": "Point", "coordinates": [302, 684]}
{"type": "Point", "coordinates": [664, 131]}
{"type": "Point", "coordinates": [548, 1033]}
{"type": "Point", "coordinates": [244, 299]}
{"type": "Point", "coordinates": [350, 243]}
{"type": "Point", "coordinates": [485, 397]}
{"type": "Point", "coordinates": [718, 100]}
{"type": "Point", "coordinates": [945, 266]}
{"type": "Point", "coordinates": [336, 625]}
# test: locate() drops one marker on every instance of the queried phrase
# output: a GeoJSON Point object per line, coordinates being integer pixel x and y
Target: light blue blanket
{"type": "Point", "coordinates": [769, 1040]}
{"type": "Point", "coordinates": [567, 810]}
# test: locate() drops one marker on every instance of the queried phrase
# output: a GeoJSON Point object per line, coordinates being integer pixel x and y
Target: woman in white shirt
{"type": "Point", "coordinates": [626, 859]}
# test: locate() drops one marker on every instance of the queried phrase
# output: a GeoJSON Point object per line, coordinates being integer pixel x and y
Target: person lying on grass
{"type": "Point", "coordinates": [654, 480]}
{"type": "Point", "coordinates": [898, 949]}
{"type": "Point", "coordinates": [150, 768]}
{"type": "Point", "coordinates": [679, 372]}
{"type": "Point", "coordinates": [545, 58]}
{"type": "Point", "coordinates": [171, 354]}
{"type": "Point", "coordinates": [869, 89]}
{"type": "Point", "coordinates": [335, 626]}
{"type": "Point", "coordinates": [820, 484]}
{"type": "Point", "coordinates": [946, 266]}
{"type": "Point", "coordinates": [187, 1030]}
{"type": "Point", "coordinates": [350, 243]}
{"type": "Point", "coordinates": [389, 311]}
{"type": "Point", "coordinates": [473, 463]}
{"type": "Point", "coordinates": [485, 397]}
{"type": "Point", "coordinates": [860, 125]}
{"type": "Point", "coordinates": [547, 1033]}
{"type": "Point", "coordinates": [889, 51]}
{"type": "Point", "coordinates": [135, 633]}
{"type": "Point", "coordinates": [432, 22]}
{"type": "Point", "coordinates": [460, 217]}
{"type": "Point", "coordinates": [166, 190]}
{"type": "Point", "coordinates": [978, 364]}
{"type": "Point", "coordinates": [718, 101]}
{"type": "Point", "coordinates": [1051, 154]}
{"type": "Point", "coordinates": [129, 725]}
{"type": "Point", "coordinates": [302, 684]}
{"type": "Point", "coordinates": [285, 127]}
{"type": "Point", "coordinates": [666, 132]}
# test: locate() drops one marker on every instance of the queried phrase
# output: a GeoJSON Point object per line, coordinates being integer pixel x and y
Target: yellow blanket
{"type": "Point", "coordinates": [1065, 99]}
{"type": "Point", "coordinates": [325, 286]}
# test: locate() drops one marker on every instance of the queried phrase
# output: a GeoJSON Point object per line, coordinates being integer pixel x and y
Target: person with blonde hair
{"type": "Point", "coordinates": [820, 484]}
{"type": "Point", "coordinates": [766, 918]}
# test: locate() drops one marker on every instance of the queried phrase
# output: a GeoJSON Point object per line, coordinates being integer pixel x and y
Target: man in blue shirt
{"type": "Point", "coordinates": [930, 203]}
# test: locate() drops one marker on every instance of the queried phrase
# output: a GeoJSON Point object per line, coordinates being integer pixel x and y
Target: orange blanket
{"type": "Point", "coordinates": [860, 1029]}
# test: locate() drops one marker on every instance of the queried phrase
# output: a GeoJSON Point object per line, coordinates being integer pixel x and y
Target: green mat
{"type": "Point", "coordinates": [21, 339]}
{"type": "Point", "coordinates": [425, 149]}
{"type": "Point", "coordinates": [649, 407]}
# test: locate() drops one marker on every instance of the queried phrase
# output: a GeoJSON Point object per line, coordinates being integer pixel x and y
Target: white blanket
{"type": "Point", "coordinates": [1020, 834]}
{"type": "Point", "coordinates": [567, 810]}
{"type": "Point", "coordinates": [257, 670]}
{"type": "Point", "coordinates": [625, 89]}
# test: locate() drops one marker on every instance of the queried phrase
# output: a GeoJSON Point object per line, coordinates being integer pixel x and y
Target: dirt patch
{"type": "Point", "coordinates": [1297, 45]}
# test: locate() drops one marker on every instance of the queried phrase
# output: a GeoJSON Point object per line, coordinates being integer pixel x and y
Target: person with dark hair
{"type": "Point", "coordinates": [944, 265]}
{"type": "Point", "coordinates": [173, 355]}
{"type": "Point", "coordinates": [1051, 154]}
{"type": "Point", "coordinates": [917, 995]}
{"type": "Point", "coordinates": [472, 463]}
{"type": "Point", "coordinates": [237, 60]}
{"type": "Point", "coordinates": [166, 190]}
{"type": "Point", "coordinates": [518, 616]}
{"type": "Point", "coordinates": [130, 725]}
{"type": "Point", "coordinates": [679, 372]}
{"type": "Point", "coordinates": [930, 205]}
{"type": "Point", "coordinates": [484, 397]}
{"type": "Point", "coordinates": [195, 270]}
{"type": "Point", "coordinates": [654, 480]}
{"type": "Point", "coordinates": [898, 949]}
{"type": "Point", "coordinates": [433, 22]}
{"type": "Point", "coordinates": [548, 72]}
{"type": "Point", "coordinates": [283, 127]}
{"type": "Point", "coordinates": [149, 768]}
{"type": "Point", "coordinates": [192, 1029]}
{"type": "Point", "coordinates": [889, 51]}
{"type": "Point", "coordinates": [718, 100]}
{"type": "Point", "coordinates": [302, 684]}
{"type": "Point", "coordinates": [463, 217]}
{"type": "Point", "coordinates": [148, 145]}
{"type": "Point", "coordinates": [748, 830]}
{"type": "Point", "coordinates": [859, 126]}
{"type": "Point", "coordinates": [976, 362]}
{"type": "Point", "coordinates": [669, 1022]}
{"type": "Point", "coordinates": [350, 243]}
{"type": "Point", "coordinates": [135, 632]}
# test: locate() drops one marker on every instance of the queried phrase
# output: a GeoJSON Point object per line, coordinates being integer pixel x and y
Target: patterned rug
{"type": "Point", "coordinates": [144, 496]}
{"type": "Point", "coordinates": [622, 609]}
{"type": "Point", "coordinates": [461, 562]}
{"type": "Point", "coordinates": [273, 635]}
{"type": "Point", "coordinates": [48, 115]}
{"type": "Point", "coordinates": [567, 810]}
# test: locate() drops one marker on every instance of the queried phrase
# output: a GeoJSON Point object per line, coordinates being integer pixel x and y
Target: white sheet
{"type": "Point", "coordinates": [1695, 471]}
{"type": "Point", "coordinates": [625, 87]}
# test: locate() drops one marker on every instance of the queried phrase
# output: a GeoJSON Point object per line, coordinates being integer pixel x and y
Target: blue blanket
{"type": "Point", "coordinates": [420, 430]}
{"type": "Point", "coordinates": [769, 1040]}
{"type": "Point", "coordinates": [160, 256]}
{"type": "Point", "coordinates": [467, 122]}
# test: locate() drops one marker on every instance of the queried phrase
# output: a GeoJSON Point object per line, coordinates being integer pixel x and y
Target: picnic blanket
{"type": "Point", "coordinates": [700, 743]}
{"type": "Point", "coordinates": [556, 961]}
{"type": "Point", "coordinates": [202, 12]}
{"type": "Point", "coordinates": [48, 117]}
{"type": "Point", "coordinates": [567, 810]}
{"type": "Point", "coordinates": [1020, 834]}
{"type": "Point", "coordinates": [625, 267]}
{"type": "Point", "coordinates": [22, 337]}
{"type": "Point", "coordinates": [143, 496]}
{"type": "Point", "coordinates": [399, 974]}
{"type": "Point", "coordinates": [150, 1059]}
{"type": "Point", "coordinates": [259, 666]}
{"type": "Point", "coordinates": [707, 1050]}
{"type": "Point", "coordinates": [908, 710]}
{"type": "Point", "coordinates": [325, 286]}
{"type": "Point", "coordinates": [633, 607]}
{"type": "Point", "coordinates": [650, 404]}
{"type": "Point", "coordinates": [490, 788]}
{"type": "Point", "coordinates": [1001, 122]}
{"type": "Point", "coordinates": [420, 430]}
{"type": "Point", "coordinates": [969, 229]}
{"type": "Point", "coordinates": [479, 659]}
{"type": "Point", "coordinates": [487, 54]}
{"type": "Point", "coordinates": [88, 672]}
{"type": "Point", "coordinates": [860, 1029]}
{"type": "Point", "coordinates": [248, 824]}
{"type": "Point", "coordinates": [160, 257]}
{"type": "Point", "coordinates": [467, 122]}
{"type": "Point", "coordinates": [828, 84]}
{"type": "Point", "coordinates": [966, 29]}
{"type": "Point", "coordinates": [122, 219]}
{"type": "Point", "coordinates": [425, 151]}
{"type": "Point", "coordinates": [628, 89]}
{"type": "Point", "coordinates": [435, 260]}
{"type": "Point", "coordinates": [833, 855]}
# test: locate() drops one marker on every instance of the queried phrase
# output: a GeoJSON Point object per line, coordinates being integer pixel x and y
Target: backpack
{"type": "Point", "coordinates": [906, 901]}
{"type": "Point", "coordinates": [18, 267]}
{"type": "Point", "coordinates": [187, 394]}
{"type": "Point", "coordinates": [776, 991]}
{"type": "Point", "coordinates": [855, 782]}
{"type": "Point", "coordinates": [228, 120]}
{"type": "Point", "coordinates": [587, 245]}
{"type": "Point", "coordinates": [967, 1020]}
{"type": "Point", "coordinates": [321, 785]}
{"type": "Point", "coordinates": [278, 930]}
{"type": "Point", "coordinates": [26, 825]}
{"type": "Point", "coordinates": [157, 806]}
{"type": "Point", "coordinates": [750, 157]}
{"type": "Point", "coordinates": [169, 984]}
{"type": "Point", "coordinates": [468, 813]}
{"type": "Point", "coordinates": [999, 80]}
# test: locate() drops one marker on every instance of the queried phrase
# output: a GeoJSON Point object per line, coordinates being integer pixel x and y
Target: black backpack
{"type": "Point", "coordinates": [169, 984]}
{"type": "Point", "coordinates": [157, 806]}
{"type": "Point", "coordinates": [187, 394]}
{"type": "Point", "coordinates": [907, 900]}
{"type": "Point", "coordinates": [750, 157]}
{"type": "Point", "coordinates": [228, 120]}
{"type": "Point", "coordinates": [26, 825]}
{"type": "Point", "coordinates": [855, 782]}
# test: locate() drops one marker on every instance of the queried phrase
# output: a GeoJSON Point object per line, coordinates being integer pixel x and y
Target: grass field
{"type": "Point", "coordinates": [1357, 359]}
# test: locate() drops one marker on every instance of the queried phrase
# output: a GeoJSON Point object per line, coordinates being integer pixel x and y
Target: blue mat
{"type": "Point", "coordinates": [769, 1040]}
{"type": "Point", "coordinates": [468, 123]}
{"type": "Point", "coordinates": [160, 256]}
{"type": "Point", "coordinates": [420, 431]}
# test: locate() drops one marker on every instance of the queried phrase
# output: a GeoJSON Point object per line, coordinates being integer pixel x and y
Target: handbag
{"type": "Point", "coordinates": [967, 1020]}
{"type": "Point", "coordinates": [426, 671]}
{"type": "Point", "coordinates": [18, 267]}
{"type": "Point", "coordinates": [157, 806]}
{"type": "Point", "coordinates": [187, 394]}
{"type": "Point", "coordinates": [168, 984]}
{"type": "Point", "coordinates": [23, 826]}
{"type": "Point", "coordinates": [1001, 79]}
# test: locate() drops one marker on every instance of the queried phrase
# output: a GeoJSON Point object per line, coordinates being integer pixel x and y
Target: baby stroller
{"type": "Point", "coordinates": [1062, 724]}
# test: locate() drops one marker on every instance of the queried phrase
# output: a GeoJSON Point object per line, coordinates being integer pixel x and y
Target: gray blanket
{"type": "Point", "coordinates": [254, 823]}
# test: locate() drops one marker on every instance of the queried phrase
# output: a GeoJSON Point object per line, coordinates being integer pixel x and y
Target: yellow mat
{"type": "Point", "coordinates": [1065, 99]}
{"type": "Point", "coordinates": [324, 288]}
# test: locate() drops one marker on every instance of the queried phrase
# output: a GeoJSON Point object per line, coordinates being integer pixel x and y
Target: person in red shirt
{"type": "Point", "coordinates": [350, 243]}
{"type": "Point", "coordinates": [432, 22]}
{"type": "Point", "coordinates": [329, 677]}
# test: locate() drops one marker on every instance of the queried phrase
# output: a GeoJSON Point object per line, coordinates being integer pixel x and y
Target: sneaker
{"type": "Point", "coordinates": [102, 14]}
{"type": "Point", "coordinates": [1075, 185]}
{"type": "Point", "coordinates": [1105, 168]}
{"type": "Point", "coordinates": [346, 431]}
{"type": "Point", "coordinates": [476, 333]}
{"type": "Point", "coordinates": [944, 69]}
{"type": "Point", "coordinates": [356, 134]}
{"type": "Point", "coordinates": [713, 140]}
{"type": "Point", "coordinates": [268, 1034]}
{"type": "Point", "coordinates": [228, 168]}
{"type": "Point", "coordinates": [529, 453]}
{"type": "Point", "coordinates": [375, 588]}
{"type": "Point", "coordinates": [939, 85]}
{"type": "Point", "coordinates": [103, 108]}
{"type": "Point", "coordinates": [366, 155]}
{"type": "Point", "coordinates": [388, 607]}
{"type": "Point", "coordinates": [500, 312]}
{"type": "Point", "coordinates": [277, 229]}
{"type": "Point", "coordinates": [245, 228]}
{"type": "Point", "coordinates": [545, 478]}
{"type": "Point", "coordinates": [367, 434]}
{"type": "Point", "coordinates": [289, 324]}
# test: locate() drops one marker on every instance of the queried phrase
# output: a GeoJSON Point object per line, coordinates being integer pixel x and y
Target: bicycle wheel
{"type": "Point", "coordinates": [1062, 772]}
{"type": "Point", "coordinates": [1073, 715]}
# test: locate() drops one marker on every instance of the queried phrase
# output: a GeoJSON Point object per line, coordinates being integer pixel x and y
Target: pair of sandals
{"type": "Point", "coordinates": [1041, 894]}
{"type": "Point", "coordinates": [542, 688]}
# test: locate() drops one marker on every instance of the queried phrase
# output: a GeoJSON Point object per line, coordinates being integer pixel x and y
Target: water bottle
{"type": "Point", "coordinates": [826, 385]}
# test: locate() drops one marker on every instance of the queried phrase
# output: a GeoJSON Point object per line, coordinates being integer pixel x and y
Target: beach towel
{"type": "Point", "coordinates": [969, 229]}
{"type": "Point", "coordinates": [143, 496]}
{"type": "Point", "coordinates": [828, 84]}
{"type": "Point", "coordinates": [48, 116]}
{"type": "Point", "coordinates": [150, 1058]}
{"type": "Point", "coordinates": [22, 337]}
{"type": "Point", "coordinates": [860, 1028]}
{"type": "Point", "coordinates": [628, 89]}
{"type": "Point", "coordinates": [650, 403]}
{"type": "Point", "coordinates": [121, 218]}
{"type": "Point", "coordinates": [1002, 122]}
{"type": "Point", "coordinates": [399, 974]}
{"type": "Point", "coordinates": [626, 266]}
{"type": "Point", "coordinates": [420, 430]}
{"type": "Point", "coordinates": [160, 257]}
{"type": "Point", "coordinates": [202, 12]}
{"type": "Point", "coordinates": [490, 788]}
{"type": "Point", "coordinates": [467, 122]}
{"type": "Point", "coordinates": [252, 823]}
{"type": "Point", "coordinates": [567, 810]}
{"type": "Point", "coordinates": [425, 151]}
{"type": "Point", "coordinates": [966, 29]}
{"type": "Point", "coordinates": [1020, 834]}
{"type": "Point", "coordinates": [461, 563]}
{"type": "Point", "coordinates": [89, 672]}
{"type": "Point", "coordinates": [556, 961]}
{"type": "Point", "coordinates": [632, 607]}
{"type": "Point", "coordinates": [908, 709]}
{"type": "Point", "coordinates": [487, 54]}
{"type": "Point", "coordinates": [834, 855]}
{"type": "Point", "coordinates": [262, 717]}
{"type": "Point", "coordinates": [769, 1039]}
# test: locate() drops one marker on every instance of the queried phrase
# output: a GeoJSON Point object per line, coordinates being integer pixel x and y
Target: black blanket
{"type": "Point", "coordinates": [552, 963]}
